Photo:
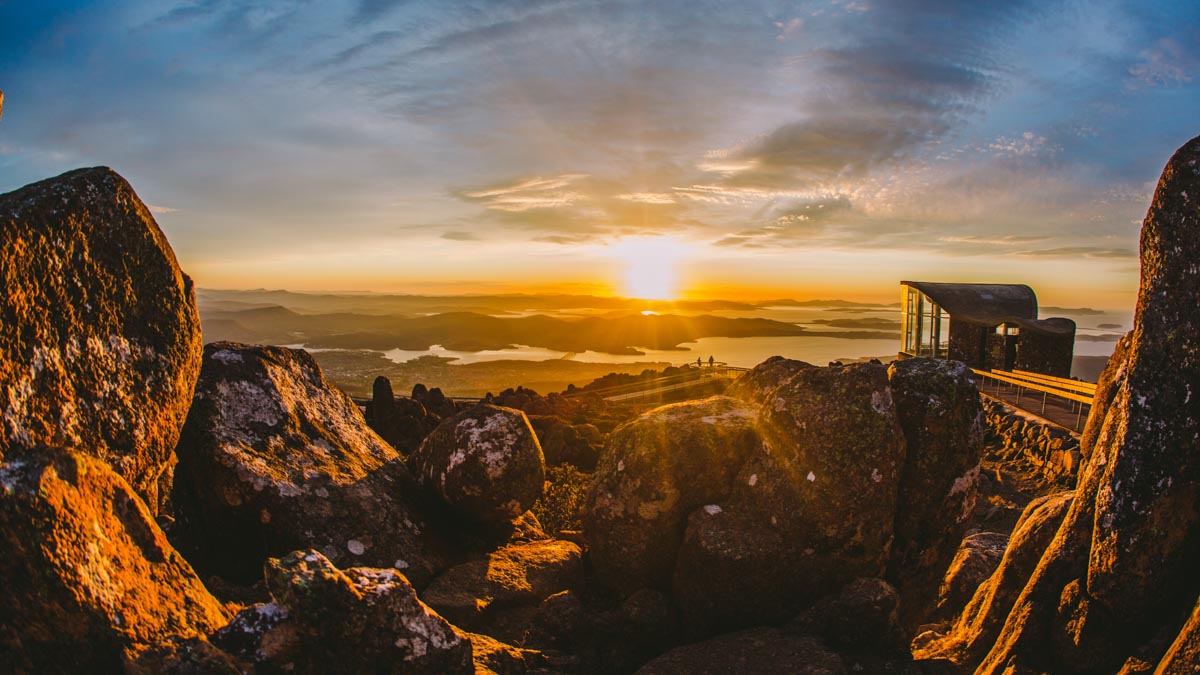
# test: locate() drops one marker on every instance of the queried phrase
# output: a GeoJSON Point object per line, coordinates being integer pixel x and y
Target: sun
{"type": "Point", "coordinates": [650, 266]}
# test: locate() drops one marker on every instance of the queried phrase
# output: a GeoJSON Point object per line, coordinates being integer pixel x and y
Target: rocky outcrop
{"type": "Point", "coordinates": [434, 401]}
{"type": "Point", "coordinates": [756, 385]}
{"type": "Point", "coordinates": [835, 452]}
{"type": "Point", "coordinates": [484, 463]}
{"type": "Point", "coordinates": [654, 472]}
{"type": "Point", "coordinates": [862, 623]}
{"type": "Point", "coordinates": [1183, 656]}
{"type": "Point", "coordinates": [977, 558]}
{"type": "Point", "coordinates": [97, 355]}
{"type": "Point", "coordinates": [1051, 448]}
{"type": "Point", "coordinates": [273, 459]}
{"type": "Point", "coordinates": [358, 620]}
{"type": "Point", "coordinates": [862, 617]}
{"type": "Point", "coordinates": [88, 574]}
{"type": "Point", "coordinates": [1120, 571]}
{"type": "Point", "coordinates": [493, 657]}
{"type": "Point", "coordinates": [181, 656]}
{"type": "Point", "coordinates": [940, 413]}
{"type": "Point", "coordinates": [475, 595]}
{"type": "Point", "coordinates": [402, 422]}
{"type": "Point", "coordinates": [562, 443]}
{"type": "Point", "coordinates": [980, 622]}
{"type": "Point", "coordinates": [756, 651]}
{"type": "Point", "coordinates": [747, 512]}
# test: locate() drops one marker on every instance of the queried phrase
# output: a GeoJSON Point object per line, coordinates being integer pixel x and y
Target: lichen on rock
{"type": "Point", "coordinates": [97, 355]}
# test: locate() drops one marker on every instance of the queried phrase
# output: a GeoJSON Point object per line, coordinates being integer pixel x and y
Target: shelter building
{"type": "Point", "coordinates": [986, 326]}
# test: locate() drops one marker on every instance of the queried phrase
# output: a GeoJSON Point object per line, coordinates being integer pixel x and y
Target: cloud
{"type": "Point", "coordinates": [789, 27]}
{"type": "Point", "coordinates": [1027, 144]}
{"type": "Point", "coordinates": [531, 193]}
{"type": "Point", "coordinates": [649, 197]}
{"type": "Point", "coordinates": [1167, 63]}
{"type": "Point", "coordinates": [990, 128]}
{"type": "Point", "coordinates": [160, 209]}
{"type": "Point", "coordinates": [564, 239]}
{"type": "Point", "coordinates": [793, 222]}
{"type": "Point", "coordinates": [1083, 251]}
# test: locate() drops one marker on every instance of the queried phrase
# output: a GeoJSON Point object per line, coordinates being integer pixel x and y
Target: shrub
{"type": "Point", "coordinates": [560, 506]}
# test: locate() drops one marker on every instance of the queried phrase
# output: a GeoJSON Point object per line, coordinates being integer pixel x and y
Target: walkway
{"type": "Point", "coordinates": [1057, 410]}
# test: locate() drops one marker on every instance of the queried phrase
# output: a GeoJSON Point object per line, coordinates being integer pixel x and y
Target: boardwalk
{"type": "Point", "coordinates": [1069, 415]}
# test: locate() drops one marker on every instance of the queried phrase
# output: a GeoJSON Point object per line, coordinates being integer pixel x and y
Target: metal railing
{"type": "Point", "coordinates": [1079, 394]}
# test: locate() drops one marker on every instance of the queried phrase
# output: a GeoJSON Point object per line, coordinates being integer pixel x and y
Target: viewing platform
{"type": "Point", "coordinates": [1058, 400]}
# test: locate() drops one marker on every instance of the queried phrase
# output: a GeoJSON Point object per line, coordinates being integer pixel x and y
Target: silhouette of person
{"type": "Point", "coordinates": [697, 361]}
{"type": "Point", "coordinates": [710, 362]}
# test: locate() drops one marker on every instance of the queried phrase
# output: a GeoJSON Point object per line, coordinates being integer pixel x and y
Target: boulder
{"type": "Point", "coordinates": [830, 480]}
{"type": "Point", "coordinates": [516, 575]}
{"type": "Point", "coordinates": [434, 401]}
{"type": "Point", "coordinates": [1109, 582]}
{"type": "Point", "coordinates": [98, 355]}
{"type": "Point", "coordinates": [493, 657]}
{"type": "Point", "coordinates": [864, 616]}
{"type": "Point", "coordinates": [88, 574]}
{"type": "Point", "coordinates": [402, 422]}
{"type": "Point", "coordinates": [765, 651]}
{"type": "Point", "coordinates": [484, 463]}
{"type": "Point", "coordinates": [1183, 656]}
{"type": "Point", "coordinates": [862, 622]}
{"type": "Point", "coordinates": [182, 656]}
{"type": "Point", "coordinates": [734, 570]}
{"type": "Point", "coordinates": [563, 443]}
{"type": "Point", "coordinates": [600, 636]}
{"type": "Point", "coordinates": [656, 470]}
{"type": "Point", "coordinates": [273, 458]}
{"type": "Point", "coordinates": [756, 385]}
{"type": "Point", "coordinates": [977, 558]}
{"type": "Point", "coordinates": [938, 408]}
{"type": "Point", "coordinates": [976, 628]}
{"type": "Point", "coordinates": [326, 620]}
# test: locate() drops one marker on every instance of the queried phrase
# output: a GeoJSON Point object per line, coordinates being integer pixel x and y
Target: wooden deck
{"type": "Point", "coordinates": [1059, 401]}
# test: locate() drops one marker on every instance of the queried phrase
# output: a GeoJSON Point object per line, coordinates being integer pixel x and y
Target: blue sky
{"type": "Point", "coordinates": [804, 148]}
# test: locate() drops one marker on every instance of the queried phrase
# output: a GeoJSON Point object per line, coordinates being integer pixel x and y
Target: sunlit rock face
{"type": "Point", "coordinates": [273, 459]}
{"type": "Point", "coordinates": [326, 620]}
{"type": "Point", "coordinates": [499, 593]}
{"type": "Point", "coordinates": [756, 385]}
{"type": "Point", "coordinates": [982, 619]}
{"type": "Point", "coordinates": [100, 345]}
{"type": "Point", "coordinates": [654, 472]}
{"type": "Point", "coordinates": [973, 563]}
{"type": "Point", "coordinates": [484, 463]}
{"type": "Point", "coordinates": [1119, 576]}
{"type": "Point", "coordinates": [88, 574]}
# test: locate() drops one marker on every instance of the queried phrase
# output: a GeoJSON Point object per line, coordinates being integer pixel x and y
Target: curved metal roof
{"type": "Point", "coordinates": [993, 304]}
{"type": "Point", "coordinates": [981, 303]}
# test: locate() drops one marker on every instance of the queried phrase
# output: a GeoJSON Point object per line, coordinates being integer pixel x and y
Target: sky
{"type": "Point", "coordinates": [701, 149]}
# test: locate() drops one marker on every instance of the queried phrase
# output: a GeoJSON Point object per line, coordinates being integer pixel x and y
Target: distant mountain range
{"type": "Point", "coordinates": [369, 303]}
{"type": "Point", "coordinates": [471, 331]}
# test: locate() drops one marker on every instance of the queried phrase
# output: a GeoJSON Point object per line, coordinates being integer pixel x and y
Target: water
{"type": "Point", "coordinates": [748, 352]}
{"type": "Point", "coordinates": [741, 352]}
